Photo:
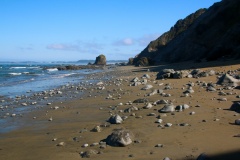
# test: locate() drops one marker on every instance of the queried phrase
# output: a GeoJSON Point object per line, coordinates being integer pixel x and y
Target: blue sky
{"type": "Point", "coordinates": [70, 30]}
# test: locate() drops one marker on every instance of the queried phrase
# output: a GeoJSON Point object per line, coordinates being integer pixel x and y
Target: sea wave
{"type": "Point", "coordinates": [15, 74]}
{"type": "Point", "coordinates": [63, 75]}
{"type": "Point", "coordinates": [52, 69]}
{"type": "Point", "coordinates": [21, 67]}
{"type": "Point", "coordinates": [17, 67]}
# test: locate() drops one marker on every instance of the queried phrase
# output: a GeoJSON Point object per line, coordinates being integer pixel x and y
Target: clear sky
{"type": "Point", "coordinates": [71, 30]}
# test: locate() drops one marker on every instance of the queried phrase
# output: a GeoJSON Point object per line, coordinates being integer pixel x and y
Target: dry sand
{"type": "Point", "coordinates": [211, 129]}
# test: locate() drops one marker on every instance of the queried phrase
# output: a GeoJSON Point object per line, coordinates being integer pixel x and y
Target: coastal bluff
{"type": "Point", "coordinates": [208, 34]}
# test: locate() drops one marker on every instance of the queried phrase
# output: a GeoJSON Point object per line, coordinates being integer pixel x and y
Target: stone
{"type": "Point", "coordinates": [168, 124]}
{"type": "Point", "coordinates": [141, 100]}
{"type": "Point", "coordinates": [61, 144]}
{"type": "Point", "coordinates": [192, 113]}
{"type": "Point", "coordinates": [135, 79]}
{"type": "Point", "coordinates": [167, 108]}
{"type": "Point", "coordinates": [159, 121]}
{"type": "Point", "coordinates": [99, 83]}
{"type": "Point", "coordinates": [162, 101]}
{"type": "Point", "coordinates": [120, 138]}
{"type": "Point", "coordinates": [222, 99]}
{"type": "Point", "coordinates": [97, 129]}
{"type": "Point", "coordinates": [228, 80]}
{"type": "Point", "coordinates": [85, 145]}
{"type": "Point", "coordinates": [235, 107]}
{"type": "Point", "coordinates": [148, 106]}
{"type": "Point", "coordinates": [237, 121]}
{"type": "Point", "coordinates": [148, 86]}
{"type": "Point", "coordinates": [151, 114]}
{"type": "Point", "coordinates": [180, 74]}
{"type": "Point", "coordinates": [115, 119]}
{"type": "Point", "coordinates": [130, 109]}
{"type": "Point", "coordinates": [153, 92]}
{"type": "Point", "coordinates": [89, 153]}
{"type": "Point", "coordinates": [146, 76]}
{"type": "Point", "coordinates": [211, 89]}
{"type": "Point", "coordinates": [190, 90]}
{"type": "Point", "coordinates": [159, 145]}
{"type": "Point", "coordinates": [182, 107]}
{"type": "Point", "coordinates": [168, 71]}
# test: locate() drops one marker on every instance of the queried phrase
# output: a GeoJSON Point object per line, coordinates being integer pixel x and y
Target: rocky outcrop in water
{"type": "Point", "coordinates": [100, 60]}
{"type": "Point", "coordinates": [206, 34]}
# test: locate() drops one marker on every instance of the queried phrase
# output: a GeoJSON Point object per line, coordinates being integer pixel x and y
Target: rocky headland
{"type": "Point", "coordinates": [208, 34]}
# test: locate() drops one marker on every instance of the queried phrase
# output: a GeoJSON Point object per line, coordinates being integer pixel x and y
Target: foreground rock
{"type": "Point", "coordinates": [115, 119]}
{"type": "Point", "coordinates": [120, 138]}
{"type": "Point", "coordinates": [167, 108]}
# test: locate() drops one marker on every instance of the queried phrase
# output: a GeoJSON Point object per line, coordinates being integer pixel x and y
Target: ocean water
{"type": "Point", "coordinates": [23, 79]}
{"type": "Point", "coordinates": [18, 78]}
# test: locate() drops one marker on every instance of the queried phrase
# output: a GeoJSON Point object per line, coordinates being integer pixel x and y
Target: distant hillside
{"type": "Point", "coordinates": [206, 34]}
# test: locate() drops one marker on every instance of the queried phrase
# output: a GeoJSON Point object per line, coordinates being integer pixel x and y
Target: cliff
{"type": "Point", "coordinates": [206, 34]}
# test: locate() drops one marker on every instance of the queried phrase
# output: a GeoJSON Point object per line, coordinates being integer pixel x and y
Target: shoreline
{"type": "Point", "coordinates": [19, 105]}
{"type": "Point", "coordinates": [74, 119]}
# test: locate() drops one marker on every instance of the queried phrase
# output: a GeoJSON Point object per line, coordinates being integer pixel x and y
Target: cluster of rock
{"type": "Point", "coordinates": [99, 63]}
{"type": "Point", "coordinates": [196, 73]}
{"type": "Point", "coordinates": [143, 81]}
{"type": "Point", "coordinates": [78, 67]}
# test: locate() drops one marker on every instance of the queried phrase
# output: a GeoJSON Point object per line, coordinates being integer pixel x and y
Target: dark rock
{"type": "Point", "coordinates": [115, 119]}
{"type": "Point", "coordinates": [100, 60]}
{"type": "Point", "coordinates": [141, 100]}
{"type": "Point", "coordinates": [235, 107]}
{"type": "Point", "coordinates": [89, 153]}
{"type": "Point", "coordinates": [120, 138]}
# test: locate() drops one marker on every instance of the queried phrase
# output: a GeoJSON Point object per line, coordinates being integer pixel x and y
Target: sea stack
{"type": "Point", "coordinates": [100, 60]}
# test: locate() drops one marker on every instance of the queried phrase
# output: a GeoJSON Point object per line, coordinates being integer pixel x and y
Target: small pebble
{"type": "Point", "coordinates": [61, 144]}
{"type": "Point", "coordinates": [159, 145]}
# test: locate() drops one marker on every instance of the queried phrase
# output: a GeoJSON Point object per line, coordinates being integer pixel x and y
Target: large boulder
{"type": "Point", "coordinates": [100, 60]}
{"type": "Point", "coordinates": [120, 138]}
{"type": "Point", "coordinates": [228, 80]}
{"type": "Point", "coordinates": [235, 107]}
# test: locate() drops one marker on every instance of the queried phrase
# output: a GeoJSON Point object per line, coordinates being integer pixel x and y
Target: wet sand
{"type": "Point", "coordinates": [211, 129]}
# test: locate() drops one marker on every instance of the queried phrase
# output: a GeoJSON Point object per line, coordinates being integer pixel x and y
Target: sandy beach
{"type": "Point", "coordinates": [63, 130]}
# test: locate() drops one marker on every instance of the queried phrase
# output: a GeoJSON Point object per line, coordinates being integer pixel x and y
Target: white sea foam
{"type": "Point", "coordinates": [17, 67]}
{"type": "Point", "coordinates": [34, 67]}
{"type": "Point", "coordinates": [25, 72]}
{"type": "Point", "coordinates": [15, 74]}
{"type": "Point", "coordinates": [52, 69]}
{"type": "Point", "coordinates": [63, 75]}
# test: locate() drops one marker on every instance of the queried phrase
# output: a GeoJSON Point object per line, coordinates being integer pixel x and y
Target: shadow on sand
{"type": "Point", "coordinates": [188, 65]}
